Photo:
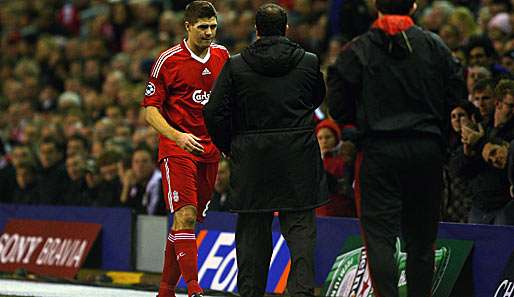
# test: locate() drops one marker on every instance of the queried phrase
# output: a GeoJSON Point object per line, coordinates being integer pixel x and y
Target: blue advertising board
{"type": "Point", "coordinates": [116, 233]}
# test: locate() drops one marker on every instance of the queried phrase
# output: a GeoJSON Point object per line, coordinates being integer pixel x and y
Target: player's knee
{"type": "Point", "coordinates": [186, 217]}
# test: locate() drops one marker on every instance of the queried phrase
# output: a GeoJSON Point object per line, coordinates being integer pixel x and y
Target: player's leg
{"type": "Point", "coordinates": [171, 269]}
{"type": "Point", "coordinates": [206, 178]}
{"type": "Point", "coordinates": [183, 189]}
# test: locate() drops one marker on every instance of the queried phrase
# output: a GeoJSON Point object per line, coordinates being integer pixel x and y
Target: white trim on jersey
{"type": "Point", "coordinates": [219, 46]}
{"type": "Point", "coordinates": [194, 56]}
{"type": "Point", "coordinates": [162, 58]}
{"type": "Point", "coordinates": [170, 201]}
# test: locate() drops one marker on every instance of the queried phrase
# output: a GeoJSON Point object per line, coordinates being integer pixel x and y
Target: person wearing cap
{"type": "Point", "coordinates": [338, 169]}
{"type": "Point", "coordinates": [396, 83]}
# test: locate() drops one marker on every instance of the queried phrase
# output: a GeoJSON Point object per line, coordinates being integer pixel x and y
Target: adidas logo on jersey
{"type": "Point", "coordinates": [206, 71]}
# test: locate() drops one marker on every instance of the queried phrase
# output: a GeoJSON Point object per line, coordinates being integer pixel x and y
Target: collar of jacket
{"type": "Point", "coordinates": [393, 24]}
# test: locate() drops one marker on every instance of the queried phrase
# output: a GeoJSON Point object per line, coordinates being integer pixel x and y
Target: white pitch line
{"type": "Point", "coordinates": [25, 288]}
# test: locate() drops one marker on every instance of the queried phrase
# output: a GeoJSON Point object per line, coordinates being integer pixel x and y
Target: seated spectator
{"type": "Point", "coordinates": [341, 198]}
{"type": "Point", "coordinates": [27, 190]}
{"type": "Point", "coordinates": [474, 74]}
{"type": "Point", "coordinates": [77, 145]}
{"type": "Point", "coordinates": [142, 184]}
{"type": "Point", "coordinates": [108, 189]}
{"type": "Point", "coordinates": [77, 192]}
{"type": "Point", "coordinates": [7, 176]}
{"type": "Point", "coordinates": [457, 195]}
{"type": "Point", "coordinates": [489, 179]}
{"type": "Point", "coordinates": [483, 98]}
{"type": "Point", "coordinates": [52, 175]}
{"type": "Point", "coordinates": [221, 197]}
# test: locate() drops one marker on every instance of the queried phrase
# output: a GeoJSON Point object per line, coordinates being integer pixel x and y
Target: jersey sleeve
{"type": "Point", "coordinates": [155, 92]}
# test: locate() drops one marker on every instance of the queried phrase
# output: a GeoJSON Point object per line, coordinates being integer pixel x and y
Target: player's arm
{"type": "Point", "coordinates": [186, 141]}
{"type": "Point", "coordinates": [155, 94]}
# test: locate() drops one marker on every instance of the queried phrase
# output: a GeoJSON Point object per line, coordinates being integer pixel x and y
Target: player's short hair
{"type": "Point", "coordinates": [271, 20]}
{"type": "Point", "coordinates": [401, 7]}
{"type": "Point", "coordinates": [199, 9]}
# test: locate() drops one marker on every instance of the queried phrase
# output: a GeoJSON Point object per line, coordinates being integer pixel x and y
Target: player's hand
{"type": "Point", "coordinates": [189, 143]}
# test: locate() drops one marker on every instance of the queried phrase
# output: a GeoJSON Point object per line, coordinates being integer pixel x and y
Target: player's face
{"type": "Point", "coordinates": [202, 32]}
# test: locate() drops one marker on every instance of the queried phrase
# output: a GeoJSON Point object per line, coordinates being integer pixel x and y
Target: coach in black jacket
{"type": "Point", "coordinates": [396, 83]}
{"type": "Point", "coordinates": [261, 114]}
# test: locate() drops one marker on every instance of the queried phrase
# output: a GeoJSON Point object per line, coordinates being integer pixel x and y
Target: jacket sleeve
{"type": "Point", "coordinates": [320, 90]}
{"type": "Point", "coordinates": [343, 81]}
{"type": "Point", "coordinates": [218, 111]}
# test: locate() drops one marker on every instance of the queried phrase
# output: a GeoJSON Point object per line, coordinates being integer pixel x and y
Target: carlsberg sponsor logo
{"type": "Point", "coordinates": [201, 96]}
{"type": "Point", "coordinates": [349, 276]}
{"type": "Point", "coordinates": [505, 289]}
{"type": "Point", "coordinates": [15, 248]}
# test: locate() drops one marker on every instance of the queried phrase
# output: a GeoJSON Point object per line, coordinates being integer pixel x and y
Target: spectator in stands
{"type": "Point", "coordinates": [221, 197]}
{"type": "Point", "coordinates": [108, 190]}
{"type": "Point", "coordinates": [141, 184]}
{"type": "Point", "coordinates": [507, 61]}
{"type": "Point", "coordinates": [77, 145]}
{"type": "Point", "coordinates": [52, 175]}
{"type": "Point", "coordinates": [7, 176]}
{"type": "Point", "coordinates": [489, 181]}
{"type": "Point", "coordinates": [457, 195]}
{"type": "Point", "coordinates": [483, 98]}
{"type": "Point", "coordinates": [22, 153]}
{"type": "Point", "coordinates": [27, 186]}
{"type": "Point", "coordinates": [476, 73]}
{"type": "Point", "coordinates": [339, 182]}
{"type": "Point", "coordinates": [77, 191]}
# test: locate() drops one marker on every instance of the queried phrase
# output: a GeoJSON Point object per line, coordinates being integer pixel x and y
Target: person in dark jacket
{"type": "Point", "coordinates": [396, 84]}
{"type": "Point", "coordinates": [261, 115]}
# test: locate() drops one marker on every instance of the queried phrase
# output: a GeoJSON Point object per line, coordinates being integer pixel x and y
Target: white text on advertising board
{"type": "Point", "coordinates": [66, 252]}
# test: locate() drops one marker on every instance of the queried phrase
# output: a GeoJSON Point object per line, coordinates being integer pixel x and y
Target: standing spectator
{"type": "Point", "coordinates": [261, 113]}
{"type": "Point", "coordinates": [178, 88]}
{"type": "Point", "coordinates": [142, 184]}
{"type": "Point", "coordinates": [395, 83]}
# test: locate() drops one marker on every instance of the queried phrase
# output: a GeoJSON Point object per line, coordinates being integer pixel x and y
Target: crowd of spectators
{"type": "Point", "coordinates": [73, 73]}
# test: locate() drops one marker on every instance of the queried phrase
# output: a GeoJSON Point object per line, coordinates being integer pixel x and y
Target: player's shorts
{"type": "Point", "coordinates": [187, 182]}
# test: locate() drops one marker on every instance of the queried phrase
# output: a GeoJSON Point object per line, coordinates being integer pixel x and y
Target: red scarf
{"type": "Point", "coordinates": [393, 24]}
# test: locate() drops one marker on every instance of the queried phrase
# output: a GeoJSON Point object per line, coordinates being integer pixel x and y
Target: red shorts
{"type": "Point", "coordinates": [187, 182]}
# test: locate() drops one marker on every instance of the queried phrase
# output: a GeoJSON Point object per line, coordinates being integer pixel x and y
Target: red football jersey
{"type": "Point", "coordinates": [179, 86]}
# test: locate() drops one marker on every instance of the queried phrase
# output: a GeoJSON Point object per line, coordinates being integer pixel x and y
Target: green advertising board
{"type": "Point", "coordinates": [349, 276]}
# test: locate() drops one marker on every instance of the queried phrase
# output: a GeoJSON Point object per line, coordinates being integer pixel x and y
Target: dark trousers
{"type": "Point", "coordinates": [254, 249]}
{"type": "Point", "coordinates": [401, 186]}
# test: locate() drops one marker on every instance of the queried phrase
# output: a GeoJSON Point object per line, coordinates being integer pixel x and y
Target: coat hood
{"type": "Point", "coordinates": [390, 32]}
{"type": "Point", "coordinates": [273, 55]}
